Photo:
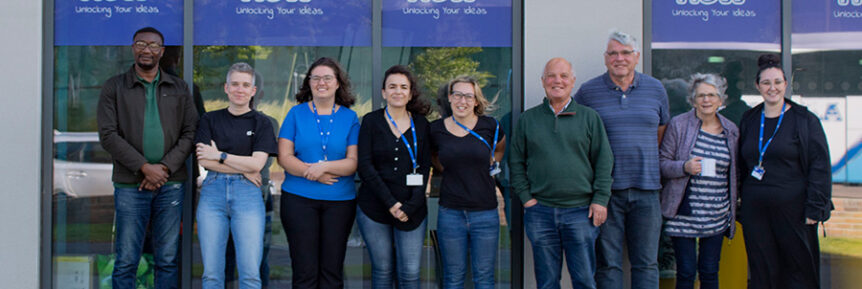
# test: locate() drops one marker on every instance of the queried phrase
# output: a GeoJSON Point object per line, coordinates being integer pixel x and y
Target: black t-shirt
{"type": "Point", "coordinates": [237, 134]}
{"type": "Point", "coordinates": [784, 182]}
{"type": "Point", "coordinates": [467, 183]}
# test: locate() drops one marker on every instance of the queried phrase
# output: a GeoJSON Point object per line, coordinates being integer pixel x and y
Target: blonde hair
{"type": "Point", "coordinates": [482, 103]}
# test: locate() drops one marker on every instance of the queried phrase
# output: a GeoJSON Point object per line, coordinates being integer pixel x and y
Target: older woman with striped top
{"type": "Point", "coordinates": [698, 159]}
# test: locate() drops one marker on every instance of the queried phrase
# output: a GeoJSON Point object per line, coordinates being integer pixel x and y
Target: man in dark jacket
{"type": "Point", "coordinates": [147, 122]}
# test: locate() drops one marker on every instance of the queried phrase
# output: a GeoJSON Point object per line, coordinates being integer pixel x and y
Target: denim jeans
{"type": "Point", "coordinates": [634, 218]}
{"type": "Point", "coordinates": [554, 232]}
{"type": "Point", "coordinates": [230, 204]}
{"type": "Point", "coordinates": [379, 239]}
{"type": "Point", "coordinates": [460, 230]}
{"type": "Point", "coordinates": [705, 262]}
{"type": "Point", "coordinates": [133, 211]}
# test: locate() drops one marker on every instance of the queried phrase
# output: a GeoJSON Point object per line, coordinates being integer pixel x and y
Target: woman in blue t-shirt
{"type": "Point", "coordinates": [317, 149]}
{"type": "Point", "coordinates": [233, 145]}
{"type": "Point", "coordinates": [468, 148]}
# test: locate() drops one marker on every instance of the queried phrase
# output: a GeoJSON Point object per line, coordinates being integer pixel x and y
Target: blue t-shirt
{"type": "Point", "coordinates": [300, 127]}
{"type": "Point", "coordinates": [631, 117]}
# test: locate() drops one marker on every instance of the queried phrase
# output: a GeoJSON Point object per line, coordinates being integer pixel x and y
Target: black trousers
{"type": "Point", "coordinates": [783, 252]}
{"type": "Point", "coordinates": [317, 233]}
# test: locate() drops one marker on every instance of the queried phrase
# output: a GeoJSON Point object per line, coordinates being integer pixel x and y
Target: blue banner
{"type": "Point", "coordinates": [817, 16]}
{"type": "Point", "coordinates": [113, 22]}
{"type": "Point", "coordinates": [283, 22]}
{"type": "Point", "coordinates": [717, 24]}
{"type": "Point", "coordinates": [447, 23]}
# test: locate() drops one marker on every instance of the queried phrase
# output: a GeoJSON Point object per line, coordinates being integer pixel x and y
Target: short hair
{"type": "Point", "coordinates": [149, 30]}
{"type": "Point", "coordinates": [715, 80]}
{"type": "Point", "coordinates": [416, 105]}
{"type": "Point", "coordinates": [624, 39]}
{"type": "Point", "coordinates": [483, 105]}
{"type": "Point", "coordinates": [240, 67]}
{"type": "Point", "coordinates": [343, 96]}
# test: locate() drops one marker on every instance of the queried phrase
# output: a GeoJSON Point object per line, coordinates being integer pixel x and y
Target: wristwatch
{"type": "Point", "coordinates": [222, 158]}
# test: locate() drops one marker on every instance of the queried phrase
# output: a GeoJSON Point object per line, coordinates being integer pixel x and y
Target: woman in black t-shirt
{"type": "Point", "coordinates": [394, 160]}
{"type": "Point", "coordinates": [233, 145]}
{"type": "Point", "coordinates": [468, 148]}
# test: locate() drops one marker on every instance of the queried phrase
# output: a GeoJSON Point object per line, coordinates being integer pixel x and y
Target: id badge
{"type": "Point", "coordinates": [414, 179]}
{"type": "Point", "coordinates": [758, 172]}
{"type": "Point", "coordinates": [495, 169]}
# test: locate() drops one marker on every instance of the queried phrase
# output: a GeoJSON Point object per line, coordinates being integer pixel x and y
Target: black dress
{"type": "Point", "coordinates": [783, 252]}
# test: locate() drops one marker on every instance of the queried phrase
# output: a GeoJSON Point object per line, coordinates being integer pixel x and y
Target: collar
{"type": "Point", "coordinates": [569, 109]}
{"type": "Point", "coordinates": [613, 86]}
{"type": "Point", "coordinates": [131, 78]}
{"type": "Point", "coordinates": [565, 107]}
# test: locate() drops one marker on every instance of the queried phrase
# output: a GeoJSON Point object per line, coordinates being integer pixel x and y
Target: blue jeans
{"type": "Point", "coordinates": [379, 239]}
{"type": "Point", "coordinates": [689, 261]}
{"type": "Point", "coordinates": [133, 211]}
{"type": "Point", "coordinates": [230, 203]}
{"type": "Point", "coordinates": [557, 231]}
{"type": "Point", "coordinates": [458, 230]}
{"type": "Point", "coordinates": [634, 218]}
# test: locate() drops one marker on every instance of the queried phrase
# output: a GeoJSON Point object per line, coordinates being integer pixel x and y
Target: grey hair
{"type": "Point", "coordinates": [624, 39]}
{"type": "Point", "coordinates": [240, 67]}
{"type": "Point", "coordinates": [715, 80]}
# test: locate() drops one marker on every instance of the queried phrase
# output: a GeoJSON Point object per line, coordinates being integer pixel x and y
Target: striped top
{"type": "Point", "coordinates": [705, 209]}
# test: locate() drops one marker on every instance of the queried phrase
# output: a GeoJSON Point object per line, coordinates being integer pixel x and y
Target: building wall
{"type": "Point", "coordinates": [576, 30]}
{"type": "Point", "coordinates": [20, 127]}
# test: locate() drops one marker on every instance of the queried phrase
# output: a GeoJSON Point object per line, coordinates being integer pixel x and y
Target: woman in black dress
{"type": "Point", "coordinates": [786, 185]}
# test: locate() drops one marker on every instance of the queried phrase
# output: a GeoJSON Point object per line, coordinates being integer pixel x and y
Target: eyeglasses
{"type": "Point", "coordinates": [325, 78]}
{"type": "Point", "coordinates": [625, 53]}
{"type": "Point", "coordinates": [706, 95]}
{"type": "Point", "coordinates": [141, 45]}
{"type": "Point", "coordinates": [457, 95]}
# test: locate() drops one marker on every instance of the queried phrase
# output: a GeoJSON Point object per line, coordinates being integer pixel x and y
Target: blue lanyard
{"type": "Point", "coordinates": [760, 146]}
{"type": "Point", "coordinates": [496, 134]}
{"type": "Point", "coordinates": [415, 144]}
{"type": "Point", "coordinates": [324, 137]}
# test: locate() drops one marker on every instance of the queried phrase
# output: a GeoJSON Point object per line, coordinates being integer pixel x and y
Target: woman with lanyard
{"type": "Point", "coordinates": [233, 144]}
{"type": "Point", "coordinates": [317, 149]}
{"type": "Point", "coordinates": [394, 160]}
{"type": "Point", "coordinates": [786, 185]}
{"type": "Point", "coordinates": [468, 148]}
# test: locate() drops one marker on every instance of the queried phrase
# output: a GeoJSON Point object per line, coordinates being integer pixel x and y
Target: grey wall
{"type": "Point", "coordinates": [577, 30]}
{"type": "Point", "coordinates": [20, 128]}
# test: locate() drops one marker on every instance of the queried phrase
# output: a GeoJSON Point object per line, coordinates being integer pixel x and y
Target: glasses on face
{"type": "Point", "coordinates": [325, 78]}
{"type": "Point", "coordinates": [706, 95]}
{"type": "Point", "coordinates": [457, 95]}
{"type": "Point", "coordinates": [141, 45]}
{"type": "Point", "coordinates": [625, 53]}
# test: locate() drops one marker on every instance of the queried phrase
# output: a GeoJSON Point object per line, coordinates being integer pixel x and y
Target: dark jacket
{"type": "Point", "coordinates": [120, 116]}
{"type": "Point", "coordinates": [813, 157]}
{"type": "Point", "coordinates": [675, 150]}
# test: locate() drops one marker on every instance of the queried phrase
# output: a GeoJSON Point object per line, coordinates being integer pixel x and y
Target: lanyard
{"type": "Point", "coordinates": [415, 144]}
{"type": "Point", "coordinates": [760, 146]}
{"type": "Point", "coordinates": [324, 137]}
{"type": "Point", "coordinates": [496, 134]}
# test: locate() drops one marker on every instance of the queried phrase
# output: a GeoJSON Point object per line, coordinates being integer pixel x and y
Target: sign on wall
{"type": "Point", "coordinates": [283, 22]}
{"type": "Point", "coordinates": [113, 22]}
{"type": "Point", "coordinates": [447, 23]}
{"type": "Point", "coordinates": [827, 24]}
{"type": "Point", "coordinates": [717, 24]}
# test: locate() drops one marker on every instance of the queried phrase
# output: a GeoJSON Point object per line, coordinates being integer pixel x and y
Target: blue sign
{"type": "Point", "coordinates": [447, 23]}
{"type": "Point", "coordinates": [113, 22]}
{"type": "Point", "coordinates": [283, 22]}
{"type": "Point", "coordinates": [717, 24]}
{"type": "Point", "coordinates": [816, 16]}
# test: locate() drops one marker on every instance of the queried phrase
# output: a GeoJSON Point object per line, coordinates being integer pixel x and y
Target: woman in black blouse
{"type": "Point", "coordinates": [786, 185]}
{"type": "Point", "coordinates": [393, 163]}
{"type": "Point", "coordinates": [469, 146]}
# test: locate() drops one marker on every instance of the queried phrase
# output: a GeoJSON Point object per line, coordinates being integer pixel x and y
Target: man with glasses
{"type": "Point", "coordinates": [147, 122]}
{"type": "Point", "coordinates": [635, 111]}
{"type": "Point", "coordinates": [560, 163]}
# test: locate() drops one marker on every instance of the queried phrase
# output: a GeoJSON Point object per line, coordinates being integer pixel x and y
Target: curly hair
{"type": "Point", "coordinates": [417, 104]}
{"type": "Point", "coordinates": [343, 95]}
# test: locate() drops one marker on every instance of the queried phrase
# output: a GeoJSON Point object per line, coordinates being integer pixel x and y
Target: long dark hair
{"type": "Point", "coordinates": [417, 104]}
{"type": "Point", "coordinates": [343, 96]}
{"type": "Point", "coordinates": [767, 61]}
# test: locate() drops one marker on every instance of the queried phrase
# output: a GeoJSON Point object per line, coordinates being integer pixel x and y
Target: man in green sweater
{"type": "Point", "coordinates": [561, 164]}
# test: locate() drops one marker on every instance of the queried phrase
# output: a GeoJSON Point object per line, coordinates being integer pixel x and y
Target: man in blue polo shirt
{"type": "Point", "coordinates": [634, 108]}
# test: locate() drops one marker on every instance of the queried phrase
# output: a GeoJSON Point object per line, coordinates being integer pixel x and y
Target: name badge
{"type": "Point", "coordinates": [495, 169]}
{"type": "Point", "coordinates": [758, 172]}
{"type": "Point", "coordinates": [414, 179]}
